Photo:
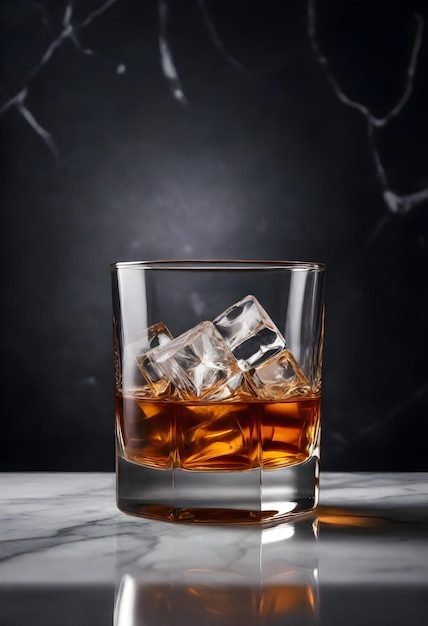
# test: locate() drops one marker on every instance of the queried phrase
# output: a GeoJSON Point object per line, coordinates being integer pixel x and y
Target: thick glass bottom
{"type": "Point", "coordinates": [248, 497]}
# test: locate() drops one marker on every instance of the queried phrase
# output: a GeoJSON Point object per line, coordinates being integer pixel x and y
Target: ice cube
{"type": "Point", "coordinates": [249, 332]}
{"type": "Point", "coordinates": [199, 364]}
{"type": "Point", "coordinates": [235, 388]}
{"type": "Point", "coordinates": [152, 380]}
{"type": "Point", "coordinates": [278, 378]}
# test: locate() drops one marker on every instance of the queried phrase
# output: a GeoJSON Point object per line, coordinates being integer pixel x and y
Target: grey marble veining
{"type": "Point", "coordinates": [63, 532]}
{"type": "Point", "coordinates": [65, 527]}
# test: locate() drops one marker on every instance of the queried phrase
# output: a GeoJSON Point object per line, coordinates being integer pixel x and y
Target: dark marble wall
{"type": "Point", "coordinates": [213, 128]}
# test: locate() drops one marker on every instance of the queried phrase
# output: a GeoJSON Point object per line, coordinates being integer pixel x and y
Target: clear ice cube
{"type": "Point", "coordinates": [249, 332]}
{"type": "Point", "coordinates": [235, 388]}
{"type": "Point", "coordinates": [199, 365]}
{"type": "Point", "coordinates": [138, 371]}
{"type": "Point", "coordinates": [278, 378]}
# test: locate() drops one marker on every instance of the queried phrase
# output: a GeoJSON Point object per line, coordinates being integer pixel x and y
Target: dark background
{"type": "Point", "coordinates": [241, 145]}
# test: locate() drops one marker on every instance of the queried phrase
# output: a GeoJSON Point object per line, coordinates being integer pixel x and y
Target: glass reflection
{"type": "Point", "coordinates": [223, 576]}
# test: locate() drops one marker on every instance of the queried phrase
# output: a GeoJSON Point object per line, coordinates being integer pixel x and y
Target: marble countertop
{"type": "Point", "coordinates": [68, 556]}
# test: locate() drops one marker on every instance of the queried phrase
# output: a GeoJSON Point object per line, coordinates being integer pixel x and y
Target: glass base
{"type": "Point", "coordinates": [255, 496]}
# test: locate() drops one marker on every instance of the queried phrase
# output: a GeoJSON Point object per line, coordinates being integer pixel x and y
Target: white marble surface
{"type": "Point", "coordinates": [61, 534]}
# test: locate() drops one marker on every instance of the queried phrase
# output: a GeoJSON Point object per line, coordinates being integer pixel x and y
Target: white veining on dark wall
{"type": "Point", "coordinates": [395, 203]}
{"type": "Point", "coordinates": [217, 41]}
{"type": "Point", "coordinates": [18, 102]}
{"type": "Point", "coordinates": [382, 421]}
{"type": "Point", "coordinates": [69, 32]}
{"type": "Point", "coordinates": [167, 62]}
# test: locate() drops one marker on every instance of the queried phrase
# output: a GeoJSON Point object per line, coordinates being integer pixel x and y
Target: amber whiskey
{"type": "Point", "coordinates": [215, 605]}
{"type": "Point", "coordinates": [216, 436]}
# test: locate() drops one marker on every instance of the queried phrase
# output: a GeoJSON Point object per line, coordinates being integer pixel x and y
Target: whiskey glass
{"type": "Point", "coordinates": [218, 388]}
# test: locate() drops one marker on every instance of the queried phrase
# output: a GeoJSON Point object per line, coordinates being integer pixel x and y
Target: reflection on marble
{"type": "Point", "coordinates": [244, 575]}
{"type": "Point", "coordinates": [364, 555]}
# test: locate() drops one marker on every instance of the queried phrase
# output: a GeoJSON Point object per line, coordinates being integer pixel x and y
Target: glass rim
{"type": "Point", "coordinates": [219, 264]}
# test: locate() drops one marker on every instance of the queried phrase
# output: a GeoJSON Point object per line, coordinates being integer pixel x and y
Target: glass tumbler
{"type": "Point", "coordinates": [218, 388]}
